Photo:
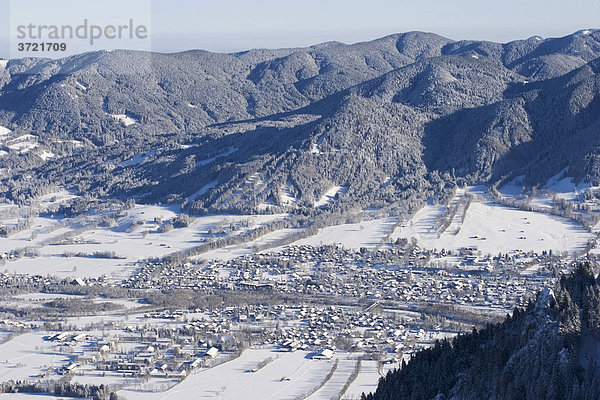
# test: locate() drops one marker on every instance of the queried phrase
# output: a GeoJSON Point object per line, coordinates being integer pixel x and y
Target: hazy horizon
{"type": "Point", "coordinates": [235, 25]}
{"type": "Point", "coordinates": [163, 44]}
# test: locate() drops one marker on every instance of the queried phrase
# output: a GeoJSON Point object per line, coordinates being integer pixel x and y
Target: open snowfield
{"type": "Point", "coordinates": [134, 237]}
{"type": "Point", "coordinates": [494, 228]}
{"type": "Point", "coordinates": [31, 396]}
{"type": "Point", "coordinates": [365, 382]}
{"type": "Point", "coordinates": [75, 267]}
{"type": "Point", "coordinates": [288, 376]}
{"type": "Point", "coordinates": [334, 385]}
{"type": "Point", "coordinates": [28, 355]}
{"type": "Point", "coordinates": [135, 245]}
{"type": "Point", "coordinates": [558, 185]}
{"type": "Point", "coordinates": [285, 197]}
{"type": "Point", "coordinates": [42, 229]}
{"type": "Point", "coordinates": [203, 190]}
{"type": "Point", "coordinates": [92, 377]}
{"type": "Point", "coordinates": [565, 187]}
{"type": "Point", "coordinates": [367, 234]}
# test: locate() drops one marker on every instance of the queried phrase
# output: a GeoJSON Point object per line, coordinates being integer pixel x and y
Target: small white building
{"type": "Point", "coordinates": [324, 354]}
{"type": "Point", "coordinates": [211, 353]}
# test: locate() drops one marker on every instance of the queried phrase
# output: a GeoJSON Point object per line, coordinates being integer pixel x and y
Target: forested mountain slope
{"type": "Point", "coordinates": [391, 121]}
{"type": "Point", "coordinates": [548, 351]}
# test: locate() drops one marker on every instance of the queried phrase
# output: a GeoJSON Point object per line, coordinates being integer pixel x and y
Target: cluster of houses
{"type": "Point", "coordinates": [46, 282]}
{"type": "Point", "coordinates": [15, 325]}
{"type": "Point", "coordinates": [170, 344]}
{"type": "Point", "coordinates": [129, 355]}
{"type": "Point", "coordinates": [326, 329]}
{"type": "Point", "coordinates": [406, 275]}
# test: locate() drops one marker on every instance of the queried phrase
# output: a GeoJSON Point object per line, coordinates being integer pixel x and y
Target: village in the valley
{"type": "Point", "coordinates": [378, 306]}
{"type": "Point", "coordinates": [324, 316]}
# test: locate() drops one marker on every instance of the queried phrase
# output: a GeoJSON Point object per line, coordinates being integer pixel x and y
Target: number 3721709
{"type": "Point", "coordinates": [43, 46]}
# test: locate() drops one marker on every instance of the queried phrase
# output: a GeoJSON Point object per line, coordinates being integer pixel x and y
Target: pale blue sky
{"type": "Point", "coordinates": [233, 25]}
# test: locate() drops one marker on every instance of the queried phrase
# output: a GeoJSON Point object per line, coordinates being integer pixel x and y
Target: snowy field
{"type": "Point", "coordinates": [27, 356]}
{"type": "Point", "coordinates": [367, 234]}
{"type": "Point", "coordinates": [365, 382]}
{"type": "Point", "coordinates": [558, 185]}
{"type": "Point", "coordinates": [494, 228]}
{"type": "Point", "coordinates": [135, 236]}
{"type": "Point", "coordinates": [231, 252]}
{"type": "Point", "coordinates": [338, 379]}
{"type": "Point", "coordinates": [125, 119]}
{"type": "Point", "coordinates": [75, 267]}
{"type": "Point", "coordinates": [288, 376]}
{"type": "Point", "coordinates": [31, 396]}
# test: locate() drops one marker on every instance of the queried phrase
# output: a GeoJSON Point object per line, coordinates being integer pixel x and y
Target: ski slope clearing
{"type": "Point", "coordinates": [285, 197]}
{"type": "Point", "coordinates": [45, 155]}
{"type": "Point", "coordinates": [329, 196]}
{"type": "Point", "coordinates": [137, 159]}
{"type": "Point", "coordinates": [559, 185]}
{"type": "Point", "coordinates": [124, 119]}
{"type": "Point", "coordinates": [23, 143]}
{"type": "Point", "coordinates": [288, 376]}
{"type": "Point", "coordinates": [225, 153]}
{"type": "Point", "coordinates": [203, 190]}
{"type": "Point", "coordinates": [493, 228]}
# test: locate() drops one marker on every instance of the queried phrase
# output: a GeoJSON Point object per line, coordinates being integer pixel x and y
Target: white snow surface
{"type": "Point", "coordinates": [20, 360]}
{"type": "Point", "coordinates": [233, 380]}
{"type": "Point", "coordinates": [134, 237]}
{"type": "Point", "coordinates": [81, 85]}
{"type": "Point", "coordinates": [365, 382]}
{"type": "Point", "coordinates": [137, 159]}
{"type": "Point", "coordinates": [494, 228]}
{"type": "Point", "coordinates": [285, 196]}
{"type": "Point", "coordinates": [329, 196]}
{"type": "Point", "coordinates": [45, 154]}
{"type": "Point", "coordinates": [367, 234]}
{"type": "Point", "coordinates": [4, 131]}
{"type": "Point", "coordinates": [203, 190]}
{"type": "Point", "coordinates": [560, 183]}
{"type": "Point", "coordinates": [125, 119]}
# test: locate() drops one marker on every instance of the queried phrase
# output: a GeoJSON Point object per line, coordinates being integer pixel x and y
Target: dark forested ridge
{"type": "Point", "coordinates": [393, 120]}
{"type": "Point", "coordinates": [551, 350]}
